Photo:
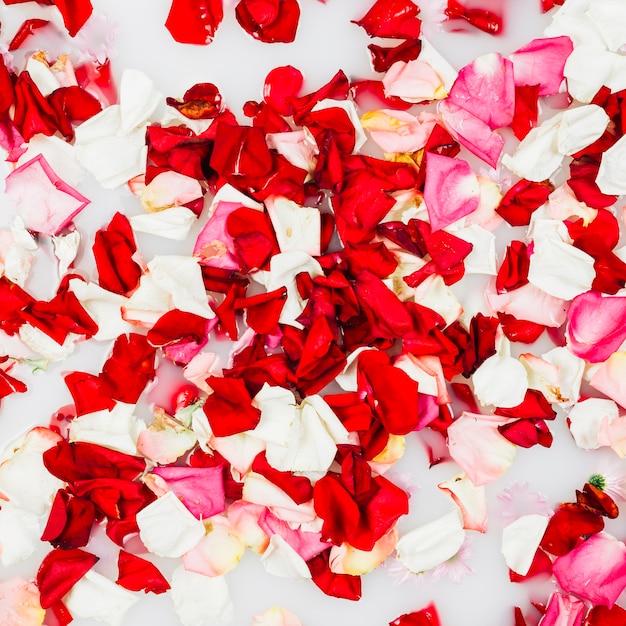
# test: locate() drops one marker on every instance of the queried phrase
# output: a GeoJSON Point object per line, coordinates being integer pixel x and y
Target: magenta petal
{"type": "Point", "coordinates": [451, 190]}
{"type": "Point", "coordinates": [200, 489]}
{"type": "Point", "coordinates": [595, 570]}
{"type": "Point", "coordinates": [596, 325]}
{"type": "Point", "coordinates": [486, 89]}
{"type": "Point", "coordinates": [541, 62]}
{"type": "Point", "coordinates": [45, 202]}
{"type": "Point", "coordinates": [472, 133]}
{"type": "Point", "coordinates": [563, 610]}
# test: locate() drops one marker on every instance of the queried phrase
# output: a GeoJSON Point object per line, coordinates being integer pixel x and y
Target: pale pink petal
{"type": "Point", "coordinates": [528, 303]}
{"type": "Point", "coordinates": [46, 203]}
{"type": "Point", "coordinates": [218, 552]}
{"type": "Point", "coordinates": [485, 88]}
{"type": "Point", "coordinates": [451, 190]}
{"type": "Point", "coordinates": [613, 434]}
{"type": "Point", "coordinates": [169, 189]}
{"type": "Point", "coordinates": [276, 616]}
{"type": "Point", "coordinates": [413, 81]}
{"type": "Point", "coordinates": [563, 204]}
{"type": "Point", "coordinates": [19, 603]}
{"type": "Point", "coordinates": [297, 146]}
{"type": "Point", "coordinates": [172, 223]}
{"type": "Point", "coordinates": [244, 518]}
{"type": "Point", "coordinates": [280, 559]}
{"type": "Point", "coordinates": [200, 489]}
{"type": "Point", "coordinates": [479, 449]}
{"type": "Point", "coordinates": [427, 371]}
{"type": "Point", "coordinates": [470, 499]}
{"type": "Point", "coordinates": [520, 540]}
{"type": "Point", "coordinates": [587, 418]}
{"type": "Point", "coordinates": [563, 610]}
{"type": "Point", "coordinates": [399, 131]}
{"type": "Point", "coordinates": [432, 543]}
{"type": "Point", "coordinates": [541, 62]}
{"type": "Point", "coordinates": [472, 133]}
{"type": "Point", "coordinates": [594, 570]}
{"type": "Point", "coordinates": [345, 559]}
{"type": "Point", "coordinates": [596, 325]}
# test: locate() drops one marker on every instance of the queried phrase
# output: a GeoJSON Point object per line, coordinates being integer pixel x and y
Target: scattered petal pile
{"type": "Point", "coordinates": [329, 249]}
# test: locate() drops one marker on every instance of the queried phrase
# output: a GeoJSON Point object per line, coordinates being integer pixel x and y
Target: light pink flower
{"type": "Point", "coordinates": [594, 570]}
{"type": "Point", "coordinates": [517, 500]}
{"type": "Point", "coordinates": [456, 567]}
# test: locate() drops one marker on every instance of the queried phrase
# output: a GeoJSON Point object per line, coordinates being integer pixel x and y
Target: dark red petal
{"type": "Point", "coordinates": [253, 237]}
{"type": "Point", "coordinates": [229, 408]}
{"type": "Point", "coordinates": [269, 21]}
{"type": "Point", "coordinates": [74, 103]}
{"type": "Point", "coordinates": [483, 19]}
{"type": "Point", "coordinates": [80, 460]}
{"type": "Point", "coordinates": [136, 574]}
{"type": "Point", "coordinates": [25, 31]}
{"type": "Point", "coordinates": [397, 19]}
{"type": "Point", "coordinates": [59, 571]}
{"type": "Point", "coordinates": [597, 500]}
{"type": "Point", "coordinates": [513, 272]}
{"type": "Point", "coordinates": [425, 617]}
{"type": "Point", "coordinates": [33, 114]}
{"type": "Point", "coordinates": [178, 326]}
{"type": "Point", "coordinates": [520, 330]}
{"type": "Point", "coordinates": [70, 521]}
{"type": "Point", "coordinates": [130, 367]}
{"type": "Point", "coordinates": [527, 433]}
{"type": "Point", "coordinates": [582, 181]}
{"type": "Point", "coordinates": [336, 585]}
{"type": "Point", "coordinates": [200, 102]}
{"type": "Point", "coordinates": [384, 58]}
{"type": "Point", "coordinates": [194, 21]}
{"type": "Point", "coordinates": [7, 93]}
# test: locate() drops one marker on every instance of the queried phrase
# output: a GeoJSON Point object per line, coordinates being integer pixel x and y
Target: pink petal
{"type": "Point", "coordinates": [485, 88]}
{"type": "Point", "coordinates": [563, 610]}
{"type": "Point", "coordinates": [19, 603]}
{"type": "Point", "coordinates": [471, 501]}
{"type": "Point", "coordinates": [415, 81]}
{"type": "Point", "coordinates": [609, 378]}
{"type": "Point", "coordinates": [45, 202]}
{"type": "Point", "coordinates": [472, 132]}
{"type": "Point", "coordinates": [479, 449]}
{"type": "Point", "coordinates": [541, 62]}
{"type": "Point", "coordinates": [596, 325]}
{"type": "Point", "coordinates": [595, 570]}
{"type": "Point", "coordinates": [451, 190]}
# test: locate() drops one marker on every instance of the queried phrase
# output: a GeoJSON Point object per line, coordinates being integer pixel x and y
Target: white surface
{"type": "Point", "coordinates": [237, 64]}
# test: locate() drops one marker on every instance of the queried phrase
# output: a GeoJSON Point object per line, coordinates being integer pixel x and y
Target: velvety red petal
{"type": "Point", "coordinates": [69, 522]}
{"type": "Point", "coordinates": [25, 31]}
{"type": "Point", "coordinates": [137, 574]}
{"type": "Point", "coordinates": [397, 19]}
{"type": "Point", "coordinates": [336, 585]}
{"type": "Point", "coordinates": [384, 58]}
{"type": "Point", "coordinates": [194, 21]}
{"type": "Point", "coordinates": [597, 500]}
{"type": "Point", "coordinates": [178, 326]}
{"type": "Point", "coordinates": [298, 488]}
{"type": "Point", "coordinates": [527, 433]}
{"type": "Point", "coordinates": [73, 102]}
{"type": "Point", "coordinates": [425, 617]}
{"type": "Point", "coordinates": [269, 21]}
{"type": "Point", "coordinates": [89, 392]}
{"type": "Point", "coordinates": [488, 21]}
{"type": "Point", "coordinates": [526, 110]}
{"type": "Point", "coordinates": [229, 408]}
{"type": "Point", "coordinates": [33, 114]}
{"type": "Point", "coordinates": [59, 571]}
{"type": "Point", "coordinates": [534, 406]}
{"type": "Point", "coordinates": [522, 199]}
{"type": "Point", "coordinates": [513, 272]}
{"type": "Point", "coordinates": [603, 616]}
{"type": "Point", "coordinates": [75, 13]}
{"type": "Point", "coordinates": [568, 524]}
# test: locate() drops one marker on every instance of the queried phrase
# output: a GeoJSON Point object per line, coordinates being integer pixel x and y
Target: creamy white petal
{"type": "Point", "coordinates": [296, 227]}
{"type": "Point", "coordinates": [19, 533]}
{"type": "Point", "coordinates": [587, 418]}
{"type": "Point", "coordinates": [520, 540]}
{"type": "Point", "coordinates": [280, 559]}
{"type": "Point", "coordinates": [611, 177]}
{"type": "Point", "coordinates": [174, 223]}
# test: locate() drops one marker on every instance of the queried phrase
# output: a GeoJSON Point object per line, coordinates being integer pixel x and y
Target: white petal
{"type": "Point", "coordinates": [609, 16]}
{"type": "Point", "coordinates": [347, 379]}
{"type": "Point", "coordinates": [470, 499]}
{"type": "Point", "coordinates": [199, 598]}
{"type": "Point", "coordinates": [117, 429]}
{"type": "Point", "coordinates": [104, 307]}
{"type": "Point", "coordinates": [520, 540]}
{"type": "Point", "coordinates": [280, 559]}
{"type": "Point", "coordinates": [19, 533]}
{"type": "Point", "coordinates": [65, 250]}
{"type": "Point", "coordinates": [500, 381]}
{"type": "Point", "coordinates": [611, 177]}
{"type": "Point", "coordinates": [138, 100]}
{"type": "Point", "coordinates": [174, 223]}
{"type": "Point", "coordinates": [59, 154]}
{"type": "Point", "coordinates": [96, 597]}
{"type": "Point", "coordinates": [169, 189]}
{"type": "Point", "coordinates": [430, 55]}
{"type": "Point", "coordinates": [181, 277]}
{"type": "Point", "coordinates": [296, 227]}
{"type": "Point", "coordinates": [23, 477]}
{"type": "Point", "coordinates": [580, 127]}
{"type": "Point", "coordinates": [482, 258]}
{"type": "Point", "coordinates": [431, 544]}
{"type": "Point", "coordinates": [167, 527]}
{"type": "Point", "coordinates": [587, 69]}
{"type": "Point", "coordinates": [587, 418]}
{"type": "Point", "coordinates": [436, 295]}
{"type": "Point", "coordinates": [42, 75]}
{"type": "Point", "coordinates": [44, 345]}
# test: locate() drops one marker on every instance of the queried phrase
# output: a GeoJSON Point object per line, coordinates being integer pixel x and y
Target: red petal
{"type": "Point", "coordinates": [520, 330]}
{"type": "Point", "coordinates": [113, 249]}
{"type": "Point", "coordinates": [337, 585]}
{"type": "Point", "coordinates": [75, 13]}
{"type": "Point", "coordinates": [178, 326]}
{"type": "Point", "coordinates": [597, 500]}
{"type": "Point", "coordinates": [129, 368]}
{"type": "Point", "coordinates": [89, 393]}
{"type": "Point", "coordinates": [70, 521]}
{"type": "Point", "coordinates": [7, 93]}
{"type": "Point", "coordinates": [526, 110]}
{"type": "Point", "coordinates": [33, 114]}
{"type": "Point", "coordinates": [541, 566]}
{"type": "Point", "coordinates": [483, 19]}
{"type": "Point", "coordinates": [269, 21]}
{"type": "Point", "coordinates": [194, 21]}
{"type": "Point", "coordinates": [425, 617]}
{"type": "Point", "coordinates": [384, 58]}
{"type": "Point", "coordinates": [263, 310]}
{"type": "Point", "coordinates": [521, 200]}
{"type": "Point", "coordinates": [25, 31]}
{"type": "Point", "coordinates": [77, 461]}
{"type": "Point", "coordinates": [136, 574]}
{"type": "Point", "coordinates": [229, 408]}
{"type": "Point", "coordinates": [298, 488]}
{"type": "Point", "coordinates": [534, 406]}
{"type": "Point", "coordinates": [281, 86]}
{"type": "Point", "coordinates": [200, 102]}
{"type": "Point", "coordinates": [527, 433]}
{"type": "Point", "coordinates": [254, 239]}
{"type": "Point", "coordinates": [513, 272]}
{"type": "Point", "coordinates": [396, 19]}
{"type": "Point", "coordinates": [9, 385]}
{"type": "Point", "coordinates": [74, 103]}
{"type": "Point", "coordinates": [603, 616]}
{"type": "Point", "coordinates": [59, 571]}
{"type": "Point", "coordinates": [568, 524]}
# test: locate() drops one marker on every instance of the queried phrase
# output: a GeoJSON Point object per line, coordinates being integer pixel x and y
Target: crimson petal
{"type": "Point", "coordinates": [194, 21]}
{"type": "Point", "coordinates": [269, 21]}
{"type": "Point", "coordinates": [229, 408]}
{"type": "Point", "coordinates": [396, 19]}
{"type": "Point", "coordinates": [136, 574]}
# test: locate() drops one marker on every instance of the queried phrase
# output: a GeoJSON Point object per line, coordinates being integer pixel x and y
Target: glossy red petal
{"type": "Point", "coordinates": [541, 566]}
{"type": "Point", "coordinates": [269, 21]}
{"type": "Point", "coordinates": [263, 310]}
{"type": "Point", "coordinates": [522, 200]}
{"type": "Point", "coordinates": [527, 433]}
{"type": "Point", "coordinates": [75, 13]}
{"type": "Point", "coordinates": [298, 488]}
{"type": "Point", "coordinates": [59, 571]}
{"type": "Point", "coordinates": [597, 500]}
{"type": "Point", "coordinates": [229, 408]}
{"type": "Point", "coordinates": [200, 102]}
{"type": "Point", "coordinates": [336, 585]}
{"type": "Point", "coordinates": [384, 58]}
{"type": "Point", "coordinates": [194, 21]}
{"type": "Point", "coordinates": [9, 385]}
{"type": "Point", "coordinates": [526, 110]}
{"type": "Point", "coordinates": [513, 272]}
{"type": "Point", "coordinates": [426, 617]}
{"type": "Point", "coordinates": [113, 250]}
{"type": "Point", "coordinates": [7, 92]}
{"type": "Point", "coordinates": [568, 524]}
{"type": "Point", "coordinates": [33, 114]}
{"type": "Point", "coordinates": [520, 330]}
{"type": "Point", "coordinates": [177, 326]}
{"type": "Point", "coordinates": [70, 521]}
{"type": "Point", "coordinates": [89, 393]}
{"type": "Point", "coordinates": [74, 103]}
{"type": "Point", "coordinates": [534, 406]}
{"type": "Point", "coordinates": [397, 19]}
{"type": "Point", "coordinates": [137, 574]}
{"type": "Point", "coordinates": [281, 86]}
{"type": "Point", "coordinates": [489, 21]}
{"type": "Point", "coordinates": [603, 616]}
{"type": "Point", "coordinates": [253, 238]}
